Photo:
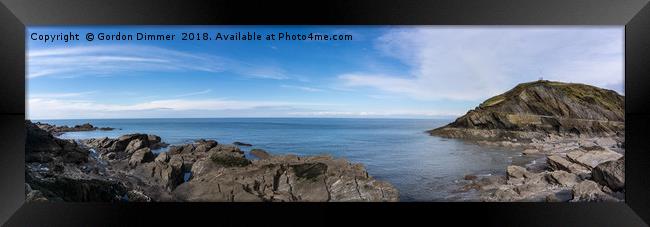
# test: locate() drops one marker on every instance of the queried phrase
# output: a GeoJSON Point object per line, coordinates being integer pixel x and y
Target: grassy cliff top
{"type": "Point", "coordinates": [575, 91]}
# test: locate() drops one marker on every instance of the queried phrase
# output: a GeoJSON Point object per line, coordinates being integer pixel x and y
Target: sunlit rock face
{"type": "Point", "coordinates": [535, 109]}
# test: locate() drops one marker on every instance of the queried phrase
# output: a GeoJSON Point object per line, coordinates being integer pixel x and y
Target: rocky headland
{"type": "Point", "coordinates": [58, 130]}
{"type": "Point", "coordinates": [128, 169]}
{"type": "Point", "coordinates": [537, 109]}
{"type": "Point", "coordinates": [576, 130]}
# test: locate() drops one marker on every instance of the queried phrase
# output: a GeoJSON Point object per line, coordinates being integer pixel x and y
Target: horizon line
{"type": "Point", "coordinates": [244, 117]}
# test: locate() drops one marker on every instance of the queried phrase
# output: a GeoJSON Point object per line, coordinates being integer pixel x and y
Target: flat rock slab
{"type": "Point", "coordinates": [592, 158]}
{"type": "Point", "coordinates": [557, 162]}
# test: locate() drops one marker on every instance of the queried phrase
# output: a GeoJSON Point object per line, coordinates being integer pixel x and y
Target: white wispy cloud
{"type": "Point", "coordinates": [195, 93]}
{"type": "Point", "coordinates": [62, 107]}
{"type": "Point", "coordinates": [302, 88]}
{"type": "Point", "coordinates": [62, 95]}
{"type": "Point", "coordinates": [473, 63]}
{"type": "Point", "coordinates": [125, 59]}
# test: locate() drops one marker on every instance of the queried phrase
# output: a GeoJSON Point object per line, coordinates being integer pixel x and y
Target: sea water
{"type": "Point", "coordinates": [420, 166]}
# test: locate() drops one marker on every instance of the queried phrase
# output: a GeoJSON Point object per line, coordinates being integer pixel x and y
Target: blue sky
{"type": "Point", "coordinates": [385, 71]}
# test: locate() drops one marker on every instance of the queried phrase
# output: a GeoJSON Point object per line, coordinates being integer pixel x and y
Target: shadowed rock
{"type": "Point", "coordinates": [611, 174]}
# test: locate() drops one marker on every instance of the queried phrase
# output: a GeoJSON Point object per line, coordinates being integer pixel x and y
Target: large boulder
{"type": "Point", "coordinates": [563, 178]}
{"type": "Point", "coordinates": [590, 191]}
{"type": "Point", "coordinates": [228, 156]}
{"type": "Point", "coordinates": [123, 141]}
{"type": "Point", "coordinates": [135, 145]}
{"type": "Point", "coordinates": [164, 172]}
{"type": "Point", "coordinates": [39, 140]}
{"type": "Point", "coordinates": [204, 145]}
{"type": "Point", "coordinates": [141, 156]}
{"type": "Point", "coordinates": [153, 139]}
{"type": "Point", "coordinates": [99, 143]}
{"type": "Point", "coordinates": [41, 146]}
{"type": "Point", "coordinates": [517, 172]}
{"type": "Point", "coordinates": [162, 157]}
{"type": "Point", "coordinates": [611, 174]}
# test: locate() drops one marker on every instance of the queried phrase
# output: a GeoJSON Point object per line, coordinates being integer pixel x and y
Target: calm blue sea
{"type": "Point", "coordinates": [422, 167]}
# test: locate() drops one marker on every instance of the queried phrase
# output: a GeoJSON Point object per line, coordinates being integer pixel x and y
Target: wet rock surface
{"type": "Point", "coordinates": [127, 169]}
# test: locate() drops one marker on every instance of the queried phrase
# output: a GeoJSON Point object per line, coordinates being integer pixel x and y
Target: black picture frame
{"type": "Point", "coordinates": [15, 15]}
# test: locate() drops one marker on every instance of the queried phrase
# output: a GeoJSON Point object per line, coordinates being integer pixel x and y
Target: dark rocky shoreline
{"type": "Point", "coordinates": [126, 169]}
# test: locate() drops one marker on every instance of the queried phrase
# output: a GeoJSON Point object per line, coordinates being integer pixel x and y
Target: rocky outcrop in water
{"type": "Point", "coordinates": [536, 109]}
{"type": "Point", "coordinates": [58, 130]}
{"type": "Point", "coordinates": [127, 169]}
{"type": "Point", "coordinates": [242, 144]}
{"type": "Point", "coordinates": [124, 145]}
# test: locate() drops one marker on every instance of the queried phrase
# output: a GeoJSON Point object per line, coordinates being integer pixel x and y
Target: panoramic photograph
{"type": "Point", "coordinates": [325, 114]}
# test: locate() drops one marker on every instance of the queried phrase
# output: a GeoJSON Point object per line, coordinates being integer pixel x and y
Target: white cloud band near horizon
{"type": "Point", "coordinates": [75, 107]}
{"type": "Point", "coordinates": [54, 108]}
